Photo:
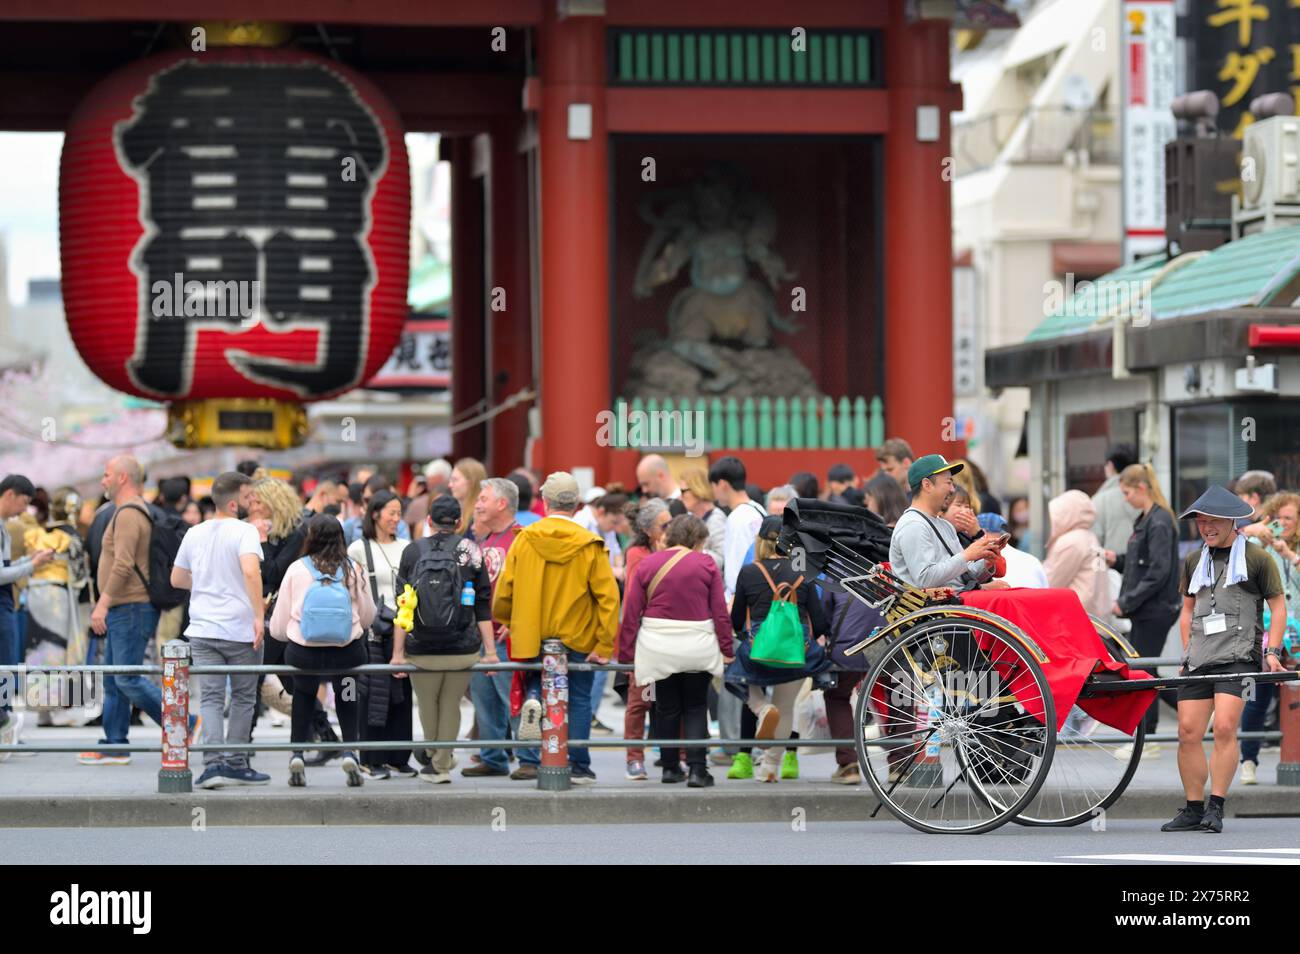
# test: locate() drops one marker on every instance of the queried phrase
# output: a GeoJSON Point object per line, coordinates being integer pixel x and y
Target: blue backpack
{"type": "Point", "coordinates": [326, 609]}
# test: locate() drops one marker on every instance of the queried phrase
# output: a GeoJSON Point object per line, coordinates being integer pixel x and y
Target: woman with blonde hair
{"type": "Point", "coordinates": [466, 483]}
{"type": "Point", "coordinates": [278, 505]}
{"type": "Point", "coordinates": [1148, 596]}
{"type": "Point", "coordinates": [276, 511]}
{"type": "Point", "coordinates": [697, 496]}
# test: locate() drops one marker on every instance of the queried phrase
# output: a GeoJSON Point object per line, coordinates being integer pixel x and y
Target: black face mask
{"type": "Point", "coordinates": [242, 513]}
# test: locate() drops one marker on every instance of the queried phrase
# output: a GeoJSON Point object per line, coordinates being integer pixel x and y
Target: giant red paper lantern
{"type": "Point", "coordinates": [234, 224]}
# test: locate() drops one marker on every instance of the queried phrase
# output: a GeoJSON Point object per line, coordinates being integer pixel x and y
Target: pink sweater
{"type": "Point", "coordinates": [286, 620]}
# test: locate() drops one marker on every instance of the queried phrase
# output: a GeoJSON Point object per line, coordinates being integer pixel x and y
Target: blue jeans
{"type": "Point", "coordinates": [1252, 719]}
{"type": "Point", "coordinates": [491, 696]}
{"type": "Point", "coordinates": [580, 710]}
{"type": "Point", "coordinates": [598, 689]}
{"type": "Point", "coordinates": [130, 628]}
{"type": "Point", "coordinates": [9, 648]}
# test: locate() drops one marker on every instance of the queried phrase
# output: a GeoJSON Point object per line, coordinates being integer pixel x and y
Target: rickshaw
{"type": "Point", "coordinates": [985, 706]}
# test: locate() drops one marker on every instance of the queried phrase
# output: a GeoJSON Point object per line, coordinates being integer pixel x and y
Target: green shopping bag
{"type": "Point", "coordinates": [780, 637]}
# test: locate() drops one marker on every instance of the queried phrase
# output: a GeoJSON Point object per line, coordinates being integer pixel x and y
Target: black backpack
{"type": "Point", "coordinates": [166, 531]}
{"type": "Point", "coordinates": [437, 581]}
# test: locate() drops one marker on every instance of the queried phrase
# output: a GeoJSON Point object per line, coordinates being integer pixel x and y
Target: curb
{"type": "Point", "coordinates": [576, 807]}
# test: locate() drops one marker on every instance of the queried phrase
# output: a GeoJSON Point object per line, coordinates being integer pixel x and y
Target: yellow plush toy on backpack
{"type": "Point", "coordinates": [406, 603]}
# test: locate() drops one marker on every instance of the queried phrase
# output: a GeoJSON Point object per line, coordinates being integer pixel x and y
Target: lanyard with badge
{"type": "Point", "coordinates": [1216, 623]}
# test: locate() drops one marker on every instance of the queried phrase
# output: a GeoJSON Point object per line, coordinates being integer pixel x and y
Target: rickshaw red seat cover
{"type": "Point", "coordinates": [1058, 623]}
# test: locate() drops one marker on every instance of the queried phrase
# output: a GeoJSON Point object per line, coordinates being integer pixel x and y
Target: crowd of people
{"type": "Point", "coordinates": [674, 576]}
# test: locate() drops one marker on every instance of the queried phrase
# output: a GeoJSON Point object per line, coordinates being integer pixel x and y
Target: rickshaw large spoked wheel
{"type": "Point", "coordinates": [1092, 766]}
{"type": "Point", "coordinates": [953, 708]}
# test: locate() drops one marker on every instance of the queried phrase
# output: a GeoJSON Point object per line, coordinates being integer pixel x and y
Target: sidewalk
{"type": "Point", "coordinates": [53, 790]}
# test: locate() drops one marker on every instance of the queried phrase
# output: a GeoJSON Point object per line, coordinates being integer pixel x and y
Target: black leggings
{"type": "Point", "coordinates": [346, 689]}
{"type": "Point", "coordinates": [683, 700]}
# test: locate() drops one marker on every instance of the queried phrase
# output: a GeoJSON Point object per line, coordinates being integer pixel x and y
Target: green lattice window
{"type": "Point", "coordinates": [741, 57]}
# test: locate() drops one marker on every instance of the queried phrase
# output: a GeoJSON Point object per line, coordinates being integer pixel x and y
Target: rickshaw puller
{"type": "Point", "coordinates": [1225, 585]}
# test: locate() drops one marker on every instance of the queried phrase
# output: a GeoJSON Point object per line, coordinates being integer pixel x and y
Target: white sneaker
{"type": "Point", "coordinates": [1124, 752]}
{"type": "Point", "coordinates": [1248, 773]}
{"type": "Point", "coordinates": [530, 721]}
{"type": "Point", "coordinates": [1152, 750]}
{"type": "Point", "coordinates": [10, 733]}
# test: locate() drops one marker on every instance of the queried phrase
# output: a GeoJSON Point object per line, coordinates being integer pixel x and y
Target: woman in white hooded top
{"type": "Point", "coordinates": [1075, 560]}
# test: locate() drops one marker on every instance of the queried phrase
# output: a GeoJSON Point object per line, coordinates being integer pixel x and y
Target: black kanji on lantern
{"type": "Point", "coordinates": [253, 173]}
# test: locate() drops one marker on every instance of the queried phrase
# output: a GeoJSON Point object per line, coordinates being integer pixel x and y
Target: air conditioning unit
{"type": "Point", "coordinates": [1270, 163]}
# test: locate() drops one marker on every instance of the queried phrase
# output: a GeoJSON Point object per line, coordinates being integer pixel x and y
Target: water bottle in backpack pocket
{"type": "Point", "coordinates": [326, 609]}
{"type": "Point", "coordinates": [440, 612]}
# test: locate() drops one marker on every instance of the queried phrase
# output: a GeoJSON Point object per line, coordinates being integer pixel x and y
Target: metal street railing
{"type": "Point", "coordinates": [174, 776]}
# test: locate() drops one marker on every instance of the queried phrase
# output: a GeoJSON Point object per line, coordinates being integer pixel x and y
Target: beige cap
{"type": "Point", "coordinates": [560, 484]}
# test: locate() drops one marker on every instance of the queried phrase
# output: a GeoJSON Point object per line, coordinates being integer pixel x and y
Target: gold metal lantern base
{"type": "Point", "coordinates": [237, 422]}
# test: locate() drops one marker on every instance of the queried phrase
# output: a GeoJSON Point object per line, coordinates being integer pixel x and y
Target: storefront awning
{"type": "Point", "coordinates": [1199, 305]}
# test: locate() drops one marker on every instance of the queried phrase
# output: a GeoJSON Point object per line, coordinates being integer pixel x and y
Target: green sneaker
{"type": "Point", "coordinates": [790, 765]}
{"type": "Point", "coordinates": [742, 766]}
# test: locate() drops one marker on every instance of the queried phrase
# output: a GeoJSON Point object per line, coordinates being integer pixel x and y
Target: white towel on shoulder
{"type": "Point", "coordinates": [1204, 575]}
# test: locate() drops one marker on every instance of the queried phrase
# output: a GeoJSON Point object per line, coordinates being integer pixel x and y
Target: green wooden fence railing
{"type": "Point", "coordinates": [752, 424]}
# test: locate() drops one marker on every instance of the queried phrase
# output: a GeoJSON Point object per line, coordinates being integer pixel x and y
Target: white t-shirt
{"type": "Point", "coordinates": [219, 606]}
{"type": "Point", "coordinates": [586, 517]}
{"type": "Point", "coordinates": [388, 557]}
{"type": "Point", "coordinates": [1023, 569]}
{"type": "Point", "coordinates": [742, 529]}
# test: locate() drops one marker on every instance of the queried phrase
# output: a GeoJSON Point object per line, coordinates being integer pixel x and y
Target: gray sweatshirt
{"type": "Point", "coordinates": [11, 573]}
{"type": "Point", "coordinates": [918, 557]}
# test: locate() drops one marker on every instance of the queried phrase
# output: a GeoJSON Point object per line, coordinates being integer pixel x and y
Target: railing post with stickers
{"type": "Point", "coordinates": [1288, 708]}
{"type": "Point", "coordinates": [174, 776]}
{"type": "Point", "coordinates": [553, 773]}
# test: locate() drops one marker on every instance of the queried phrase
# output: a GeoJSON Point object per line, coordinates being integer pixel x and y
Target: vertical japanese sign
{"type": "Point", "coordinates": [965, 333]}
{"type": "Point", "coordinates": [1147, 71]}
{"type": "Point", "coordinates": [1242, 49]}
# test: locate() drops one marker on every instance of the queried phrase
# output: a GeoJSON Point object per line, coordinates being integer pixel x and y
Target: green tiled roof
{"type": "Point", "coordinates": [1237, 274]}
{"type": "Point", "coordinates": [1097, 300]}
{"type": "Point", "coordinates": [1244, 273]}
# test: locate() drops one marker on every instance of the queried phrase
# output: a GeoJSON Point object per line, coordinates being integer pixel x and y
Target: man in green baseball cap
{"type": "Point", "coordinates": [925, 550]}
{"type": "Point", "coordinates": [928, 466]}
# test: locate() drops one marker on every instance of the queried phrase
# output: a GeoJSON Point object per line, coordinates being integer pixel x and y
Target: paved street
{"type": "Point", "coordinates": [1247, 841]}
{"type": "Point", "coordinates": [59, 774]}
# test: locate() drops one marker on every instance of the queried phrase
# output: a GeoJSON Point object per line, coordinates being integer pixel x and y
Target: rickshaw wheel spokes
{"type": "Point", "coordinates": [957, 751]}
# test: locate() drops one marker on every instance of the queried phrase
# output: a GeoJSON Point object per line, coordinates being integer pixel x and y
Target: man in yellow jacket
{"type": "Point", "coordinates": [557, 583]}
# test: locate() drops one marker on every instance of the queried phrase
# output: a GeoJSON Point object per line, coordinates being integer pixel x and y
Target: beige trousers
{"type": "Point", "coordinates": [783, 697]}
{"type": "Point", "coordinates": [437, 696]}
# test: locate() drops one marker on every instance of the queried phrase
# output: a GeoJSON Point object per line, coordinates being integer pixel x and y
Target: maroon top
{"type": "Point", "coordinates": [691, 590]}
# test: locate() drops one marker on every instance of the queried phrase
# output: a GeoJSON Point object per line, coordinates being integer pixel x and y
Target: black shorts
{"type": "Point", "coordinates": [1209, 688]}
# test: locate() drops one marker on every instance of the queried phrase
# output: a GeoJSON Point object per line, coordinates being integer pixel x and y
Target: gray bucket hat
{"type": "Point", "coordinates": [1219, 502]}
